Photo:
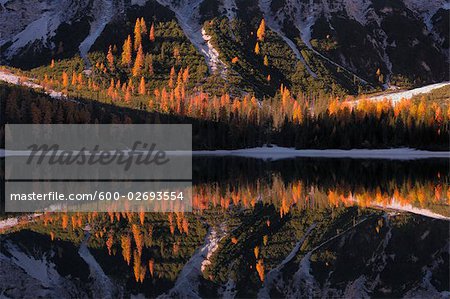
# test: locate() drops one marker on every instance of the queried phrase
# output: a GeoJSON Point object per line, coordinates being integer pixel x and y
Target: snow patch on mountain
{"type": "Point", "coordinates": [9, 222]}
{"type": "Point", "coordinates": [103, 13]}
{"type": "Point", "coordinates": [215, 63]}
{"type": "Point", "coordinates": [230, 9]}
{"type": "Point", "coordinates": [26, 21]}
{"type": "Point", "coordinates": [357, 289]}
{"type": "Point", "coordinates": [41, 269]}
{"type": "Point", "coordinates": [303, 16]}
{"type": "Point", "coordinates": [394, 204]}
{"type": "Point", "coordinates": [385, 56]}
{"type": "Point", "coordinates": [229, 290]}
{"type": "Point", "coordinates": [275, 277]}
{"type": "Point", "coordinates": [187, 284]}
{"type": "Point", "coordinates": [102, 285]}
{"type": "Point", "coordinates": [23, 81]}
{"type": "Point", "coordinates": [303, 284]}
{"type": "Point", "coordinates": [138, 2]}
{"type": "Point", "coordinates": [425, 288]}
{"type": "Point", "coordinates": [358, 10]}
{"type": "Point", "coordinates": [41, 29]}
{"type": "Point", "coordinates": [306, 17]}
{"type": "Point", "coordinates": [275, 26]}
{"type": "Point", "coordinates": [31, 277]}
{"type": "Point", "coordinates": [407, 94]}
{"type": "Point", "coordinates": [426, 9]}
{"type": "Point", "coordinates": [13, 221]}
{"type": "Point", "coordinates": [188, 16]}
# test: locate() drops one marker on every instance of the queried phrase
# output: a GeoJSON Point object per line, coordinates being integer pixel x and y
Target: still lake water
{"type": "Point", "coordinates": [296, 228]}
{"type": "Point", "coordinates": [422, 184]}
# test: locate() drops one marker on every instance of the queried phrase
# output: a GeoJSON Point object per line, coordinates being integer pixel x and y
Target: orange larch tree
{"type": "Point", "coordinates": [152, 33]}
{"type": "Point", "coordinates": [142, 90]}
{"type": "Point", "coordinates": [125, 241]}
{"type": "Point", "coordinates": [65, 79]}
{"type": "Point", "coordinates": [137, 34]}
{"type": "Point", "coordinates": [151, 266]}
{"type": "Point", "coordinates": [110, 242]}
{"type": "Point", "coordinates": [256, 251]}
{"type": "Point", "coordinates": [143, 26]}
{"type": "Point", "coordinates": [126, 52]}
{"type": "Point", "coordinates": [260, 269]}
{"type": "Point", "coordinates": [257, 49]}
{"type": "Point", "coordinates": [261, 32]}
{"type": "Point", "coordinates": [110, 58]}
{"type": "Point", "coordinates": [171, 77]}
{"type": "Point", "coordinates": [139, 62]}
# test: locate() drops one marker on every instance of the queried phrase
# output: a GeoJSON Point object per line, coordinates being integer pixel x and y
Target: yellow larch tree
{"type": "Point", "coordinates": [260, 269]}
{"type": "Point", "coordinates": [126, 248]}
{"type": "Point", "coordinates": [126, 52]}
{"type": "Point", "coordinates": [266, 60]}
{"type": "Point", "coordinates": [256, 251]}
{"type": "Point", "coordinates": [257, 49]}
{"type": "Point", "coordinates": [151, 266]}
{"type": "Point", "coordinates": [128, 95]}
{"type": "Point", "coordinates": [138, 63]}
{"type": "Point", "coordinates": [65, 79]}
{"type": "Point", "coordinates": [137, 34]}
{"type": "Point", "coordinates": [152, 33]}
{"type": "Point", "coordinates": [172, 77]}
{"type": "Point", "coordinates": [74, 78]}
{"type": "Point", "coordinates": [143, 26]}
{"type": "Point", "coordinates": [261, 32]}
{"type": "Point", "coordinates": [142, 90]}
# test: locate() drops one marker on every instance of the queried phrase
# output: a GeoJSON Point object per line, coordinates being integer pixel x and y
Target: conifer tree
{"type": "Point", "coordinates": [143, 26]}
{"type": "Point", "coordinates": [110, 58]}
{"type": "Point", "coordinates": [266, 60]}
{"type": "Point", "coordinates": [142, 86]}
{"type": "Point", "coordinates": [126, 52]}
{"type": "Point", "coordinates": [260, 269]}
{"type": "Point", "coordinates": [137, 35]}
{"type": "Point", "coordinates": [126, 248]}
{"type": "Point", "coordinates": [128, 95]}
{"type": "Point", "coordinates": [257, 49]}
{"type": "Point", "coordinates": [74, 78]}
{"type": "Point", "coordinates": [65, 79]}
{"type": "Point", "coordinates": [148, 64]}
{"type": "Point", "coordinates": [138, 63]}
{"type": "Point", "coordinates": [152, 33]}
{"type": "Point", "coordinates": [261, 33]}
{"type": "Point", "coordinates": [151, 266]}
{"type": "Point", "coordinates": [172, 77]}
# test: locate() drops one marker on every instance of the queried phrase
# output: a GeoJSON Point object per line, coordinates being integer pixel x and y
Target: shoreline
{"type": "Point", "coordinates": [276, 153]}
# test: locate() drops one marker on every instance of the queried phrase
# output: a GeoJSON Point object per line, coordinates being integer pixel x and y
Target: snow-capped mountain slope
{"type": "Point", "coordinates": [187, 13]}
{"type": "Point", "coordinates": [25, 22]}
{"type": "Point", "coordinates": [378, 30]}
{"type": "Point", "coordinates": [374, 247]}
{"type": "Point", "coordinates": [406, 40]}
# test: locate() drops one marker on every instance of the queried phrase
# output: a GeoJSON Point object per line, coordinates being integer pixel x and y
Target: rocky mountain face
{"type": "Point", "coordinates": [380, 255]}
{"type": "Point", "coordinates": [357, 42]}
{"type": "Point", "coordinates": [400, 37]}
